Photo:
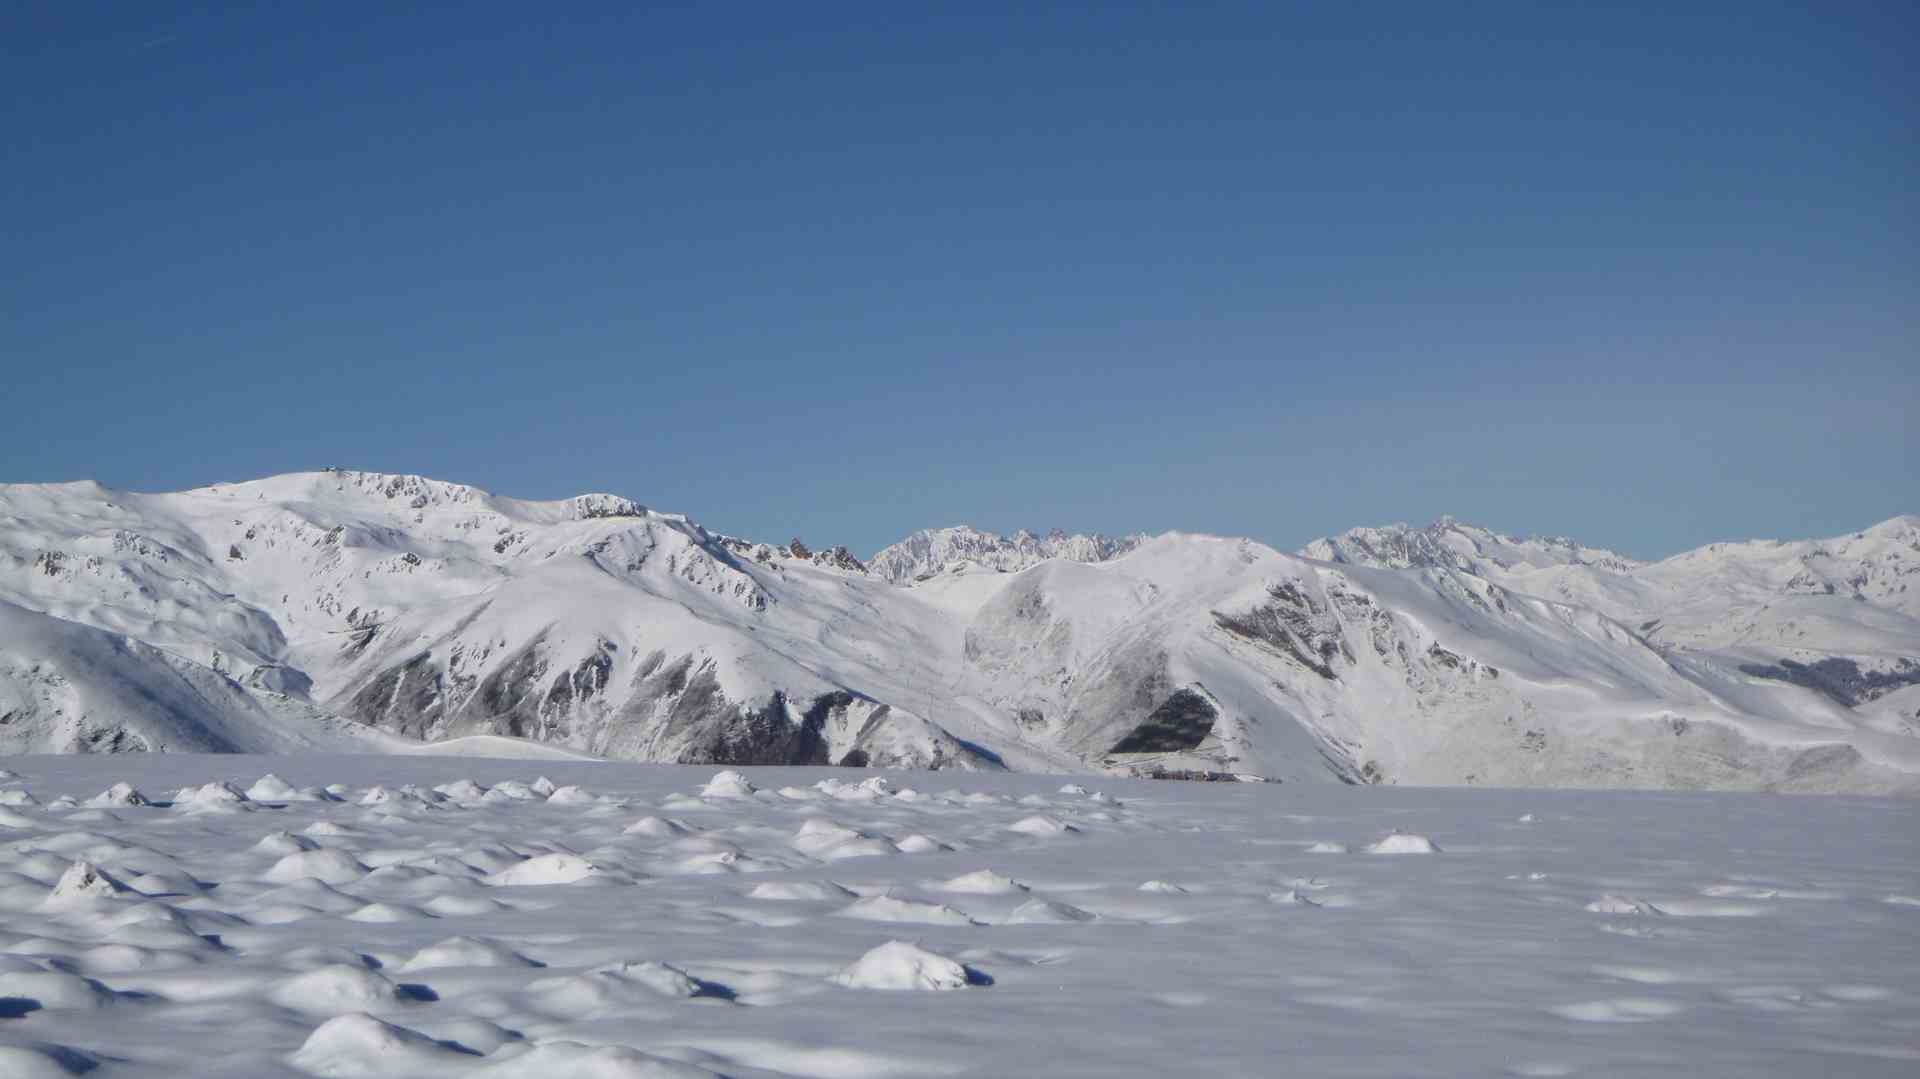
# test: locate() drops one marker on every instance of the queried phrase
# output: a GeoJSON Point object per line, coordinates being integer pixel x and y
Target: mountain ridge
{"type": "Point", "coordinates": [417, 609]}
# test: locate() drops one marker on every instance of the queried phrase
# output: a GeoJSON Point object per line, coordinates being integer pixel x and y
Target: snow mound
{"type": "Point", "coordinates": [1403, 843]}
{"type": "Point", "coordinates": [1162, 887]}
{"type": "Point", "coordinates": [1041, 825]}
{"type": "Point", "coordinates": [1328, 846]}
{"type": "Point", "coordinates": [805, 891]}
{"type": "Point", "coordinates": [83, 880]}
{"type": "Point", "coordinates": [271, 788]}
{"type": "Point", "coordinates": [870, 789]}
{"type": "Point", "coordinates": [282, 843]}
{"type": "Point", "coordinates": [120, 794]}
{"type": "Point", "coordinates": [728, 785]}
{"type": "Point", "coordinates": [210, 796]}
{"type": "Point", "coordinates": [466, 952]}
{"type": "Point", "coordinates": [357, 1044]}
{"type": "Point", "coordinates": [658, 827]}
{"type": "Point", "coordinates": [335, 988]}
{"type": "Point", "coordinates": [982, 882]}
{"type": "Point", "coordinates": [387, 913]}
{"type": "Point", "coordinates": [310, 894]}
{"type": "Point", "coordinates": [462, 790]}
{"type": "Point", "coordinates": [1047, 912]}
{"type": "Point", "coordinates": [326, 866]}
{"type": "Point", "coordinates": [556, 868]}
{"type": "Point", "coordinates": [886, 908]}
{"type": "Point", "coordinates": [657, 977]}
{"type": "Point", "coordinates": [897, 965]}
{"type": "Point", "coordinates": [830, 840]}
{"type": "Point", "coordinates": [330, 828]}
{"type": "Point", "coordinates": [616, 987]}
{"type": "Point", "coordinates": [1620, 904]}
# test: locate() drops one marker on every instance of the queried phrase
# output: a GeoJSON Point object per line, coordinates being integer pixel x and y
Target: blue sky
{"type": "Point", "coordinates": [1645, 277]}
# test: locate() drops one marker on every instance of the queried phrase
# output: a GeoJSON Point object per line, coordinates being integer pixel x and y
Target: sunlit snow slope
{"type": "Point", "coordinates": [308, 609]}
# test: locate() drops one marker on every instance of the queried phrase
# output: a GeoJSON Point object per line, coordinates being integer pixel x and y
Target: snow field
{"type": "Point", "coordinates": [466, 916]}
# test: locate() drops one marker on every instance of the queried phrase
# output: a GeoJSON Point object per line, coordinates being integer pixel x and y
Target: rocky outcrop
{"type": "Point", "coordinates": [1182, 722]}
{"type": "Point", "coordinates": [1295, 623]}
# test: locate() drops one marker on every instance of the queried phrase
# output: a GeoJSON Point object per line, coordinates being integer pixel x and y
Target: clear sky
{"type": "Point", "coordinates": [1649, 277]}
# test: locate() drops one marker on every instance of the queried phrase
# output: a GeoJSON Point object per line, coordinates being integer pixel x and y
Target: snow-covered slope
{"type": "Point", "coordinates": [1840, 616]}
{"type": "Point", "coordinates": [934, 550]}
{"type": "Point", "coordinates": [422, 611]}
{"type": "Point", "coordinates": [70, 688]}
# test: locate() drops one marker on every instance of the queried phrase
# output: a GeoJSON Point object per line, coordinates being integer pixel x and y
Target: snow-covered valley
{"type": "Point", "coordinates": [396, 915]}
{"type": "Point", "coordinates": [365, 612]}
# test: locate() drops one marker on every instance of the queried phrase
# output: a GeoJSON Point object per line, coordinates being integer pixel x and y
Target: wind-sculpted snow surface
{"type": "Point", "coordinates": [467, 916]}
{"type": "Point", "coordinates": [353, 611]}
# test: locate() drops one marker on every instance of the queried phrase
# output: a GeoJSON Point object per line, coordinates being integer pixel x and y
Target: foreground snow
{"type": "Point", "coordinates": [396, 916]}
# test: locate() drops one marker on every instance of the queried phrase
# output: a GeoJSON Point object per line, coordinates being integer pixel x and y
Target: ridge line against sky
{"type": "Point", "coordinates": [1644, 277]}
{"type": "Point", "coordinates": [826, 542]}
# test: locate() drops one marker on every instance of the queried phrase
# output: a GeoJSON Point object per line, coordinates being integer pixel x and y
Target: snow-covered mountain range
{"type": "Point", "coordinates": [363, 611]}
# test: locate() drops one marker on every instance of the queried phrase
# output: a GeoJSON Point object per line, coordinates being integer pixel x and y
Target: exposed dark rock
{"type": "Point", "coordinates": [357, 641]}
{"type": "Point", "coordinates": [404, 698]}
{"type": "Point", "coordinates": [506, 701]}
{"type": "Point", "coordinates": [586, 680]}
{"type": "Point", "coordinates": [1824, 760]}
{"type": "Point", "coordinates": [840, 558]}
{"type": "Point", "coordinates": [1840, 679]}
{"type": "Point", "coordinates": [111, 740]}
{"type": "Point", "coordinates": [1181, 723]}
{"type": "Point", "coordinates": [595, 507]}
{"type": "Point", "coordinates": [1294, 623]}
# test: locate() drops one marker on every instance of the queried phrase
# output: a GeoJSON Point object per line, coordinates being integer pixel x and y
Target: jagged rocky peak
{"type": "Point", "coordinates": [927, 550]}
{"type": "Point", "coordinates": [592, 506]}
{"type": "Point", "coordinates": [795, 550]}
{"type": "Point", "coordinates": [1453, 544]}
{"type": "Point", "coordinates": [416, 492]}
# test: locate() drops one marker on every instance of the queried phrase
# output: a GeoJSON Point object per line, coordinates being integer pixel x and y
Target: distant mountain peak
{"type": "Point", "coordinates": [1451, 543]}
{"type": "Point", "coordinates": [927, 550]}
